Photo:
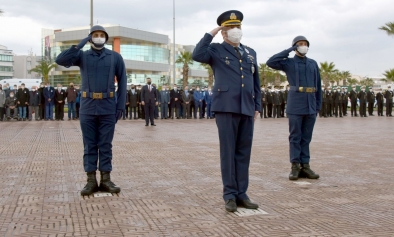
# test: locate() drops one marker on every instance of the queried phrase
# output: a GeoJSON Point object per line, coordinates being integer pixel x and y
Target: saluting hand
{"type": "Point", "coordinates": [216, 30]}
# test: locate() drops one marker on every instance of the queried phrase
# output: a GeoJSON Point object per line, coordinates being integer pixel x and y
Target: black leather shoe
{"type": "Point", "coordinates": [247, 204]}
{"type": "Point", "coordinates": [306, 172]}
{"type": "Point", "coordinates": [146, 125]}
{"type": "Point", "coordinates": [295, 171]}
{"type": "Point", "coordinates": [230, 205]}
{"type": "Point", "coordinates": [153, 125]}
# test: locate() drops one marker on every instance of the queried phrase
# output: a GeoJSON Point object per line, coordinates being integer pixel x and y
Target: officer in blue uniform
{"type": "Point", "coordinates": [100, 107]}
{"type": "Point", "coordinates": [236, 103]}
{"type": "Point", "coordinates": [198, 100]}
{"type": "Point", "coordinates": [303, 103]}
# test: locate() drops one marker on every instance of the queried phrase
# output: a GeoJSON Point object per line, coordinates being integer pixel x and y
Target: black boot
{"type": "Point", "coordinates": [106, 185]}
{"type": "Point", "coordinates": [91, 186]}
{"type": "Point", "coordinates": [295, 171]}
{"type": "Point", "coordinates": [306, 172]}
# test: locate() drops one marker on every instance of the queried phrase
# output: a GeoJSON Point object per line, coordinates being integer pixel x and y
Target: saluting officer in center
{"type": "Point", "coordinates": [236, 103]}
{"type": "Point", "coordinates": [100, 109]}
{"type": "Point", "coordinates": [303, 104]}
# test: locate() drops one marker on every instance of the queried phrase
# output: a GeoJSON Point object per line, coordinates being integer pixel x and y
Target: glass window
{"type": "Point", "coordinates": [145, 53]}
{"type": "Point", "coordinates": [5, 69]}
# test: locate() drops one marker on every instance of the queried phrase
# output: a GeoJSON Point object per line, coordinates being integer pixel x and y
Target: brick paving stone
{"type": "Point", "coordinates": [171, 183]}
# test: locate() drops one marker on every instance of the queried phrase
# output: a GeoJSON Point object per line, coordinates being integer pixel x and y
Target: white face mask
{"type": "Point", "coordinates": [33, 90]}
{"type": "Point", "coordinates": [175, 88]}
{"type": "Point", "coordinates": [98, 40]}
{"type": "Point", "coordinates": [302, 49]}
{"type": "Point", "coordinates": [262, 89]}
{"type": "Point", "coordinates": [363, 90]}
{"type": "Point", "coordinates": [116, 84]}
{"type": "Point", "coordinates": [234, 35]}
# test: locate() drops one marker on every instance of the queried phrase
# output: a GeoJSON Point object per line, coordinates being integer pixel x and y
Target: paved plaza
{"type": "Point", "coordinates": [171, 182]}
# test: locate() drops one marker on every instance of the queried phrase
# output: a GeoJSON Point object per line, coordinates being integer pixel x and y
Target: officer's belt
{"type": "Point", "coordinates": [303, 89]}
{"type": "Point", "coordinates": [97, 96]}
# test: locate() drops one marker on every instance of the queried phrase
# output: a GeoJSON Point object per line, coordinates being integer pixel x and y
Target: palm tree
{"type": "Point", "coordinates": [367, 82]}
{"type": "Point", "coordinates": [327, 71]}
{"type": "Point", "coordinates": [186, 59]}
{"type": "Point", "coordinates": [210, 73]}
{"type": "Point", "coordinates": [43, 68]}
{"type": "Point", "coordinates": [345, 76]}
{"type": "Point", "coordinates": [352, 81]}
{"type": "Point", "coordinates": [389, 28]}
{"type": "Point", "coordinates": [389, 74]}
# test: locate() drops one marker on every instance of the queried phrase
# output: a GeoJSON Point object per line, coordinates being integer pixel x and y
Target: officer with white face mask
{"type": "Point", "coordinates": [236, 103]}
{"type": "Point", "coordinates": [102, 104]}
{"type": "Point", "coordinates": [304, 102]}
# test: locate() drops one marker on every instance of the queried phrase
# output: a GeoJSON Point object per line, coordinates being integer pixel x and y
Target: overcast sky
{"type": "Point", "coordinates": [341, 31]}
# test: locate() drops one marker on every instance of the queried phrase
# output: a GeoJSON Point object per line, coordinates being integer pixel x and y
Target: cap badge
{"type": "Point", "coordinates": [233, 16]}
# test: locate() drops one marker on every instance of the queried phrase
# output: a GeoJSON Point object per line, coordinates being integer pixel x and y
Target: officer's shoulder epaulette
{"type": "Point", "coordinates": [249, 48]}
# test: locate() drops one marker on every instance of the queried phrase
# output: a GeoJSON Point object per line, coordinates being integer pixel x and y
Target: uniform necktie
{"type": "Point", "coordinates": [238, 53]}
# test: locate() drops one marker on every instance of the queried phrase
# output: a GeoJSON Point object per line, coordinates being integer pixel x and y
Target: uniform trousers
{"type": "Point", "coordinates": [133, 109]}
{"type": "Point", "coordinates": [389, 107]}
{"type": "Point", "coordinates": [276, 109]}
{"type": "Point", "coordinates": [235, 138]}
{"type": "Point", "coordinates": [380, 108]}
{"type": "Point", "coordinates": [186, 110]}
{"type": "Point", "coordinates": [301, 129]}
{"type": "Point", "coordinates": [59, 113]}
{"type": "Point", "coordinates": [370, 108]}
{"type": "Point", "coordinates": [263, 110]}
{"type": "Point", "coordinates": [35, 108]}
{"type": "Point", "coordinates": [149, 112]}
{"type": "Point", "coordinates": [269, 110]}
{"type": "Point", "coordinates": [353, 108]}
{"type": "Point", "coordinates": [164, 110]}
{"type": "Point", "coordinates": [97, 134]}
{"type": "Point", "coordinates": [198, 107]}
{"type": "Point", "coordinates": [338, 109]}
{"type": "Point", "coordinates": [209, 110]}
{"type": "Point", "coordinates": [363, 109]}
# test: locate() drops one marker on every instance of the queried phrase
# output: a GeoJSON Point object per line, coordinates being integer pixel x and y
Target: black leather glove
{"type": "Point", "coordinates": [84, 41]}
{"type": "Point", "coordinates": [118, 114]}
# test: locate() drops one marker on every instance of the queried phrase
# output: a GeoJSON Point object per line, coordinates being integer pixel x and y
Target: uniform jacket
{"type": "Point", "coordinates": [338, 97]}
{"type": "Point", "coordinates": [276, 98]}
{"type": "Point", "coordinates": [269, 97]}
{"type": "Point", "coordinates": [164, 96]}
{"type": "Point", "coordinates": [353, 96]}
{"type": "Point", "coordinates": [379, 98]}
{"type": "Point", "coordinates": [2, 98]}
{"type": "Point", "coordinates": [175, 94]}
{"type": "Point", "coordinates": [285, 95]}
{"type": "Point", "coordinates": [371, 97]}
{"type": "Point", "coordinates": [263, 97]}
{"type": "Point", "coordinates": [198, 96]}
{"type": "Point", "coordinates": [187, 98]}
{"type": "Point", "coordinates": [60, 96]}
{"type": "Point", "coordinates": [148, 96]}
{"type": "Point", "coordinates": [41, 91]}
{"type": "Point", "coordinates": [34, 98]}
{"type": "Point", "coordinates": [299, 102]}
{"type": "Point", "coordinates": [49, 93]}
{"type": "Point", "coordinates": [71, 94]}
{"type": "Point", "coordinates": [281, 97]}
{"type": "Point", "coordinates": [329, 97]}
{"type": "Point", "coordinates": [133, 98]}
{"type": "Point", "coordinates": [23, 96]}
{"type": "Point", "coordinates": [208, 97]}
{"type": "Point", "coordinates": [98, 71]}
{"type": "Point", "coordinates": [362, 96]}
{"type": "Point", "coordinates": [237, 83]}
{"type": "Point", "coordinates": [389, 96]}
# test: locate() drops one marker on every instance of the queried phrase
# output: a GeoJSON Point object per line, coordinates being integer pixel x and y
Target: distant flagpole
{"type": "Point", "coordinates": [174, 49]}
{"type": "Point", "coordinates": [91, 13]}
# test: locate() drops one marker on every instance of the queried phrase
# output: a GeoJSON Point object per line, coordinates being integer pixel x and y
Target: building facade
{"type": "Point", "coordinates": [6, 63]}
{"type": "Point", "coordinates": [23, 64]}
{"type": "Point", "coordinates": [146, 54]}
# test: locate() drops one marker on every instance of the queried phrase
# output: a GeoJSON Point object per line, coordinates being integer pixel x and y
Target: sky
{"type": "Point", "coordinates": [344, 32]}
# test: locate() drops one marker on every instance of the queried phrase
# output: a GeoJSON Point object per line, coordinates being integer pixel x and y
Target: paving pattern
{"type": "Point", "coordinates": [171, 183]}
